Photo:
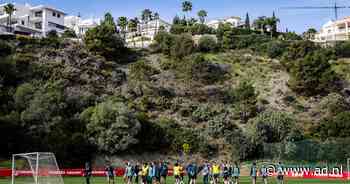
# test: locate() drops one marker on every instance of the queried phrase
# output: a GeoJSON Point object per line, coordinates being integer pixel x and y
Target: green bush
{"type": "Point", "coordinates": [69, 33]}
{"type": "Point", "coordinates": [221, 126]}
{"type": "Point", "coordinates": [111, 126]}
{"type": "Point", "coordinates": [338, 126]}
{"type": "Point", "coordinates": [207, 44]}
{"type": "Point", "coordinates": [273, 49]}
{"type": "Point", "coordinates": [245, 101]}
{"type": "Point", "coordinates": [24, 93]}
{"type": "Point", "coordinates": [104, 40]}
{"type": "Point", "coordinates": [299, 49]}
{"type": "Point", "coordinates": [164, 41]}
{"type": "Point", "coordinates": [271, 127]}
{"type": "Point", "coordinates": [333, 104]}
{"type": "Point", "coordinates": [313, 75]}
{"type": "Point", "coordinates": [205, 71]}
{"type": "Point", "coordinates": [141, 71]}
{"type": "Point", "coordinates": [51, 40]}
{"type": "Point", "coordinates": [231, 40]}
{"type": "Point", "coordinates": [5, 48]}
{"type": "Point", "coordinates": [342, 49]}
{"type": "Point", "coordinates": [203, 113]}
{"type": "Point", "coordinates": [201, 29]}
{"type": "Point", "coordinates": [178, 29]}
{"type": "Point", "coordinates": [182, 46]}
{"type": "Point", "coordinates": [152, 136]}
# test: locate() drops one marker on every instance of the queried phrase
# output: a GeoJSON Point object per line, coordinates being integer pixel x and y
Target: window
{"type": "Point", "coordinates": [22, 22]}
{"type": "Point", "coordinates": [58, 15]}
{"type": "Point", "coordinates": [38, 25]}
{"type": "Point", "coordinates": [54, 14]}
{"type": "Point", "coordinates": [38, 14]}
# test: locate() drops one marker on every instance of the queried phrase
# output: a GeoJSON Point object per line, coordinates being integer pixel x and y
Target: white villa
{"type": "Point", "coordinates": [338, 30]}
{"type": "Point", "coordinates": [79, 25]}
{"type": "Point", "coordinates": [147, 31]}
{"type": "Point", "coordinates": [150, 29]}
{"type": "Point", "coordinates": [32, 20]}
{"type": "Point", "coordinates": [235, 21]}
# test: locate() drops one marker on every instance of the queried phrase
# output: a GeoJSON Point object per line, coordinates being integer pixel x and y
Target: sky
{"type": "Point", "coordinates": [294, 20]}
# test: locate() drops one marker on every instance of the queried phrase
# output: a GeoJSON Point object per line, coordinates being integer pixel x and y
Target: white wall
{"type": "Point", "coordinates": [48, 16]}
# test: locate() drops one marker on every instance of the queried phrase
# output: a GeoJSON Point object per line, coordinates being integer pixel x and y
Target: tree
{"type": "Point", "coordinates": [274, 23]}
{"type": "Point", "coordinates": [109, 21]}
{"type": "Point", "coordinates": [69, 33]}
{"type": "Point", "coordinates": [309, 34]}
{"type": "Point", "coordinates": [272, 127]}
{"type": "Point", "coordinates": [313, 75]}
{"type": "Point", "coordinates": [132, 27]}
{"type": "Point", "coordinates": [123, 23]}
{"type": "Point", "coordinates": [247, 21]}
{"type": "Point", "coordinates": [207, 44]}
{"type": "Point", "coordinates": [9, 9]}
{"type": "Point", "coordinates": [182, 46]}
{"type": "Point", "coordinates": [335, 126]}
{"type": "Point", "coordinates": [186, 6]}
{"type": "Point", "coordinates": [260, 23]}
{"type": "Point", "coordinates": [270, 22]}
{"type": "Point", "coordinates": [202, 14]}
{"type": "Point", "coordinates": [103, 40]}
{"type": "Point", "coordinates": [111, 126]}
{"type": "Point", "coordinates": [245, 98]}
{"type": "Point", "coordinates": [176, 20]}
{"type": "Point", "coordinates": [192, 21]}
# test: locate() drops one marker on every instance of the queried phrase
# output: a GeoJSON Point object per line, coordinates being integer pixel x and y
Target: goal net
{"type": "Point", "coordinates": [35, 168]}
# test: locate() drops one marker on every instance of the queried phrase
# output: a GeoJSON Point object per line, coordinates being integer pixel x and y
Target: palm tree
{"type": "Point", "coordinates": [146, 16]}
{"type": "Point", "coordinates": [202, 14]}
{"type": "Point", "coordinates": [123, 23]}
{"type": "Point", "coordinates": [271, 22]}
{"type": "Point", "coordinates": [260, 23]}
{"type": "Point", "coordinates": [9, 9]}
{"type": "Point", "coordinates": [132, 27]}
{"type": "Point", "coordinates": [186, 6]}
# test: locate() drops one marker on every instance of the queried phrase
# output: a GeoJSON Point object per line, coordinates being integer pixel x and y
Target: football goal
{"type": "Point", "coordinates": [35, 168]}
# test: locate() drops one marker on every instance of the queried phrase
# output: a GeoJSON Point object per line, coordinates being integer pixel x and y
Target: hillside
{"type": "Point", "coordinates": [234, 101]}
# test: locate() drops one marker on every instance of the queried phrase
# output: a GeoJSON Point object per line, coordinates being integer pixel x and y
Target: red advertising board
{"type": "Point", "coordinates": [120, 172]}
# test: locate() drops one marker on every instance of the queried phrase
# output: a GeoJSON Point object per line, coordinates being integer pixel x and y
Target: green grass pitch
{"type": "Point", "coordinates": [170, 180]}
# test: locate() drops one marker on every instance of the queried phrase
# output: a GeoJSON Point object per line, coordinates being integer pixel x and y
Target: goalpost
{"type": "Point", "coordinates": [35, 168]}
{"type": "Point", "coordinates": [348, 169]}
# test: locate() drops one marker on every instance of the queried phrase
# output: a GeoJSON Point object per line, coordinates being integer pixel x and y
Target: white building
{"type": "Point", "coordinates": [147, 32]}
{"type": "Point", "coordinates": [234, 21]}
{"type": "Point", "coordinates": [34, 20]}
{"type": "Point", "coordinates": [334, 31]}
{"type": "Point", "coordinates": [79, 25]}
{"type": "Point", "coordinates": [150, 29]}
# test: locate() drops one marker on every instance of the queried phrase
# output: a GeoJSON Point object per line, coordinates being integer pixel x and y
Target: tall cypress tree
{"type": "Point", "coordinates": [274, 26]}
{"type": "Point", "coordinates": [247, 21]}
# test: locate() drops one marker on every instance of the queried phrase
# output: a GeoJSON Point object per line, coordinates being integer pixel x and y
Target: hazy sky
{"type": "Point", "coordinates": [295, 20]}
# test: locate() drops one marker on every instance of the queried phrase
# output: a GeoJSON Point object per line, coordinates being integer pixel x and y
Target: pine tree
{"type": "Point", "coordinates": [247, 21]}
{"type": "Point", "coordinates": [276, 20]}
